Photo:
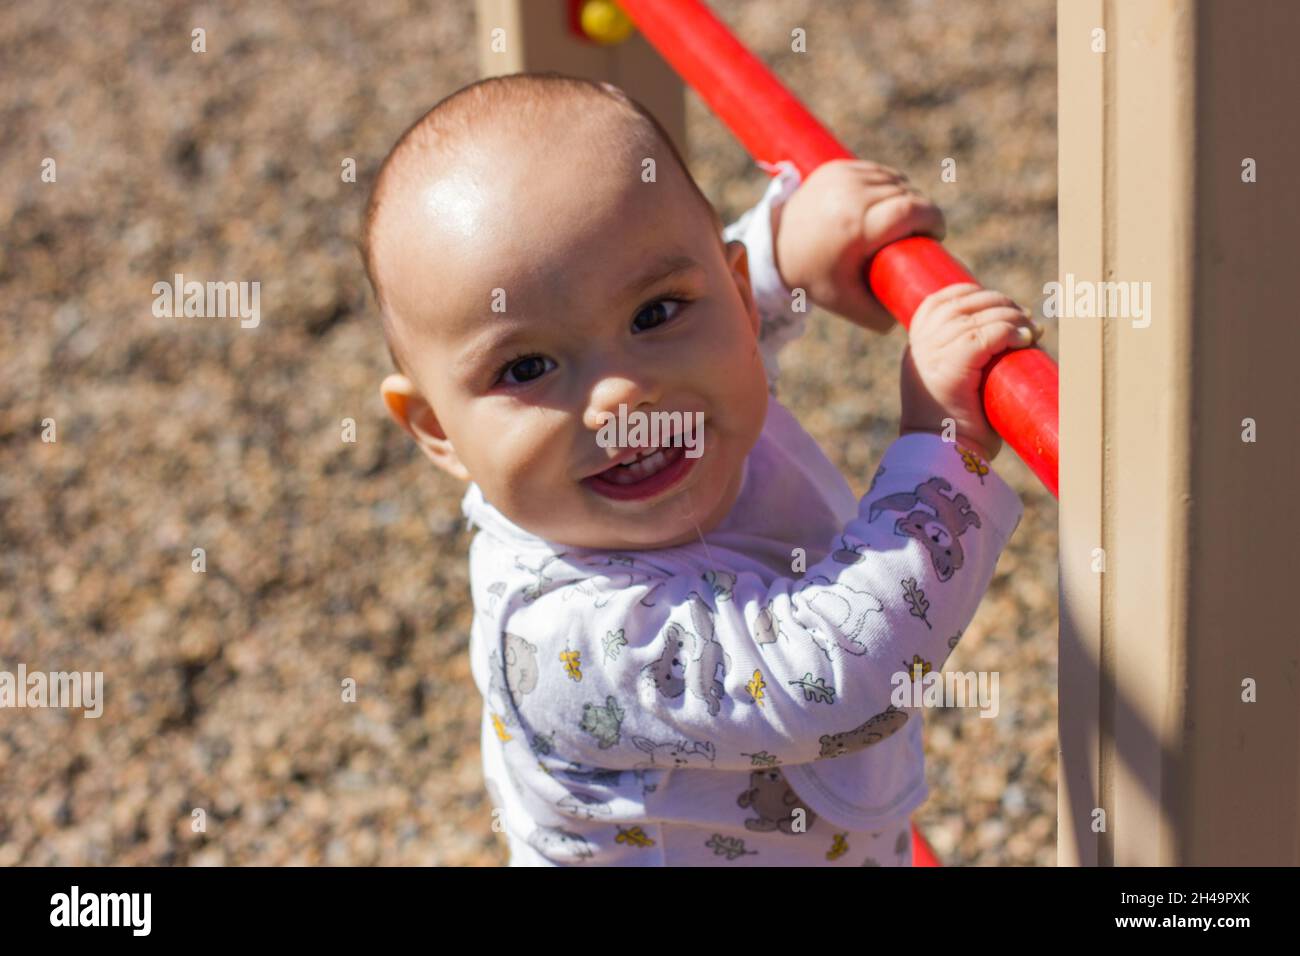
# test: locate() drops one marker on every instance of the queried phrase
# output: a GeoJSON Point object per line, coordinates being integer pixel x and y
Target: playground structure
{"type": "Point", "coordinates": [1159, 647]}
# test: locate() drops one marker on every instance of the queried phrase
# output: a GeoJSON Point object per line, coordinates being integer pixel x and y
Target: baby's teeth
{"type": "Point", "coordinates": [646, 466]}
{"type": "Point", "coordinates": [637, 470]}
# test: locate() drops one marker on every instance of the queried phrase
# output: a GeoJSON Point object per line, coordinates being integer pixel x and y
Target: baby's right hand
{"type": "Point", "coordinates": [954, 334]}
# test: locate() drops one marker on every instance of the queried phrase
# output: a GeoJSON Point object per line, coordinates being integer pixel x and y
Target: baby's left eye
{"type": "Point", "coordinates": [656, 313]}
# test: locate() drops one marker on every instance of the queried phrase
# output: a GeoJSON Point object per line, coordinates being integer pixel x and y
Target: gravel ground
{"type": "Point", "coordinates": [327, 559]}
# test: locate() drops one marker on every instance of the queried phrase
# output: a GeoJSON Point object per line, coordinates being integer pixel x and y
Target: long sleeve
{"type": "Point", "coordinates": [780, 323]}
{"type": "Point", "coordinates": [630, 667]}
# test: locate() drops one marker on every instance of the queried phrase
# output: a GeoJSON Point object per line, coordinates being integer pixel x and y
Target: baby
{"type": "Point", "coordinates": [688, 644]}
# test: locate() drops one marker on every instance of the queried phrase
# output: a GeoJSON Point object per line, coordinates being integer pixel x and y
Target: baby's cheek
{"type": "Point", "coordinates": [512, 464]}
{"type": "Point", "coordinates": [749, 378]}
{"type": "Point", "coordinates": [732, 358]}
{"type": "Point", "coordinates": [751, 400]}
{"type": "Point", "coordinates": [531, 479]}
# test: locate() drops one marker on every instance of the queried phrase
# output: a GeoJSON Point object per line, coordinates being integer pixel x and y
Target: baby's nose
{"type": "Point", "coordinates": [615, 390]}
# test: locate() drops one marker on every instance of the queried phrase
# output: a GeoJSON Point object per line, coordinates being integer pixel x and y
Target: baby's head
{"type": "Point", "coordinates": [535, 272]}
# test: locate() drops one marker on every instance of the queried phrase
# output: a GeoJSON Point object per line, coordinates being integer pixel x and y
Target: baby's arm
{"type": "Point", "coordinates": [724, 671]}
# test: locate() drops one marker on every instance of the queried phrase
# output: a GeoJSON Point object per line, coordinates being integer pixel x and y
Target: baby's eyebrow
{"type": "Point", "coordinates": [485, 347]}
{"type": "Point", "coordinates": [658, 272]}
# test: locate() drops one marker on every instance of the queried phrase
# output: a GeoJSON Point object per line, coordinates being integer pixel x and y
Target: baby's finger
{"type": "Point", "coordinates": [876, 173]}
{"type": "Point", "coordinates": [986, 316]}
{"type": "Point", "coordinates": [957, 305]}
{"type": "Point", "coordinates": [993, 331]}
{"type": "Point", "coordinates": [982, 299]}
{"type": "Point", "coordinates": [905, 214]}
{"type": "Point", "coordinates": [932, 302]}
{"type": "Point", "coordinates": [961, 311]}
{"type": "Point", "coordinates": [937, 230]}
{"type": "Point", "coordinates": [881, 177]}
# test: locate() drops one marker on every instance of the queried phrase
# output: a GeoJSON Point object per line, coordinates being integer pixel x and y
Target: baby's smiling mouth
{"type": "Point", "coordinates": [653, 470]}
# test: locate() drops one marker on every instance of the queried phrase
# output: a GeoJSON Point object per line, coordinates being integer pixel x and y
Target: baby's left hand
{"type": "Point", "coordinates": [839, 217]}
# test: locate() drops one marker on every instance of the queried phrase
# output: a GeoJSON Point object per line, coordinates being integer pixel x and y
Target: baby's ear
{"type": "Point", "coordinates": [417, 418]}
{"type": "Point", "coordinates": [738, 262]}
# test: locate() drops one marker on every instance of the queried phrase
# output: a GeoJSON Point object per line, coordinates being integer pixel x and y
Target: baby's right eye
{"type": "Point", "coordinates": [525, 369]}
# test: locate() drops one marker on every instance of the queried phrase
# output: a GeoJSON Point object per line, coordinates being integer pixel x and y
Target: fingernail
{"type": "Point", "coordinates": [1025, 334]}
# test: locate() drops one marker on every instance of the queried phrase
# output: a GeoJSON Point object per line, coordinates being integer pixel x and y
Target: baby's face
{"type": "Point", "coordinates": [540, 288]}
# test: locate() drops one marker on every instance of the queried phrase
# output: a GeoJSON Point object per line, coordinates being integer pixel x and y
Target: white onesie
{"type": "Point", "coordinates": [716, 704]}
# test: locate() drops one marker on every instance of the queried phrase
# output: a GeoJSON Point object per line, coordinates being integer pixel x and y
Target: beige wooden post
{"type": "Point", "coordinates": [536, 37]}
{"type": "Point", "coordinates": [1196, 526]}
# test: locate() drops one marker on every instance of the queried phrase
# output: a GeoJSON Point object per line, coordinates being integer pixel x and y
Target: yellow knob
{"type": "Point", "coordinates": [604, 22]}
